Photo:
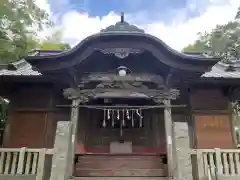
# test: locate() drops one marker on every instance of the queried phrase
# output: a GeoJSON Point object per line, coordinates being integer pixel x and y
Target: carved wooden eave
{"type": "Point", "coordinates": [85, 95]}
{"type": "Point", "coordinates": [145, 86]}
{"type": "Point", "coordinates": [108, 77]}
{"type": "Point", "coordinates": [121, 52]}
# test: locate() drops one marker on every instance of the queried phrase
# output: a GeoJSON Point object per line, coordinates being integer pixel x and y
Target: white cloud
{"type": "Point", "coordinates": [43, 4]}
{"type": "Point", "coordinates": [182, 33]}
{"type": "Point", "coordinates": [177, 34]}
{"type": "Point", "coordinates": [78, 26]}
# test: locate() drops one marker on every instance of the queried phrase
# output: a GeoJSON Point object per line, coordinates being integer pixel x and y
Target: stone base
{"type": "Point", "coordinates": [60, 165]}
{"type": "Point", "coordinates": [183, 168]}
{"type": "Point", "coordinates": [121, 147]}
{"type": "Point", "coordinates": [17, 177]}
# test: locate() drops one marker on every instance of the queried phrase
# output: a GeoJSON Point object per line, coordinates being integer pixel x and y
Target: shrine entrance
{"type": "Point", "coordinates": [123, 138]}
{"type": "Point", "coordinates": [126, 122]}
{"type": "Point", "coordinates": [110, 78]}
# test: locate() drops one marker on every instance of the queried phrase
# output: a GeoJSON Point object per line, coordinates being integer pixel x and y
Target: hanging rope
{"type": "Point", "coordinates": [121, 118]}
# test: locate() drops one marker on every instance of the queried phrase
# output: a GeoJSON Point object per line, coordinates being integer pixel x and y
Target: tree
{"type": "Point", "coordinates": [20, 21]}
{"type": "Point", "coordinates": [54, 46]}
{"type": "Point", "coordinates": [238, 14]}
{"type": "Point", "coordinates": [223, 41]}
{"type": "Point", "coordinates": [54, 42]}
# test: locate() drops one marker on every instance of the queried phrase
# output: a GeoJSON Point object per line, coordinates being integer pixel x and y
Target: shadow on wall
{"type": "Point", "coordinates": [236, 122]}
{"type": "Point", "coordinates": [3, 116]}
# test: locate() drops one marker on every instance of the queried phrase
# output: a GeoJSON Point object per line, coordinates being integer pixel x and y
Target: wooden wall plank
{"type": "Point", "coordinates": [213, 99]}
{"type": "Point", "coordinates": [213, 131]}
{"type": "Point", "coordinates": [26, 129]}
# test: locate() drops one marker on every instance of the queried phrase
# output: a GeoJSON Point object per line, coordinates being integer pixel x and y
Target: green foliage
{"type": "Point", "coordinates": [20, 20]}
{"type": "Point", "coordinates": [54, 42]}
{"type": "Point", "coordinates": [223, 41]}
{"type": "Point", "coordinates": [48, 45]}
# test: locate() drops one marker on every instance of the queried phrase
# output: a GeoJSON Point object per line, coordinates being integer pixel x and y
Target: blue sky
{"type": "Point", "coordinates": [163, 10]}
{"type": "Point", "coordinates": [177, 22]}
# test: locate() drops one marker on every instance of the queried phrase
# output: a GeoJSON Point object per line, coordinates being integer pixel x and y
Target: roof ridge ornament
{"type": "Point", "coordinates": [122, 26]}
{"type": "Point", "coordinates": [122, 17]}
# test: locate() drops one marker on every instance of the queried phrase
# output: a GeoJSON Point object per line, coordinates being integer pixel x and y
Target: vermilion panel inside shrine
{"type": "Point", "coordinates": [129, 85]}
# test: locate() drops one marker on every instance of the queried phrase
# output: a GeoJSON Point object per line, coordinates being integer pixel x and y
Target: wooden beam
{"type": "Point", "coordinates": [109, 77]}
{"type": "Point", "coordinates": [124, 106]}
{"type": "Point", "coordinates": [169, 137]}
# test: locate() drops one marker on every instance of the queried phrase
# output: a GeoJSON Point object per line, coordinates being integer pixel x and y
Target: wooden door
{"type": "Point", "coordinates": [213, 131]}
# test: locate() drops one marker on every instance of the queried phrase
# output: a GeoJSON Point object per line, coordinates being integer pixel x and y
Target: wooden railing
{"type": "Point", "coordinates": [220, 162]}
{"type": "Point", "coordinates": [23, 161]}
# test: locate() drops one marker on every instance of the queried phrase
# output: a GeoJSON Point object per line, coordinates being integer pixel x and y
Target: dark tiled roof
{"type": "Point", "coordinates": [44, 52]}
{"type": "Point", "coordinates": [22, 68]}
{"type": "Point", "coordinates": [223, 70]}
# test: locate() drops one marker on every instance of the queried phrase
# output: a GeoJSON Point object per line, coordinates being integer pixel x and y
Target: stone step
{"type": "Point", "coordinates": [117, 157]}
{"type": "Point", "coordinates": [120, 178]}
{"type": "Point", "coordinates": [120, 158]}
{"type": "Point", "coordinates": [119, 164]}
{"type": "Point", "coordinates": [121, 172]}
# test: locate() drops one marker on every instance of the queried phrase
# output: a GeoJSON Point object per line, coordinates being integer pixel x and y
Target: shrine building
{"type": "Point", "coordinates": [121, 103]}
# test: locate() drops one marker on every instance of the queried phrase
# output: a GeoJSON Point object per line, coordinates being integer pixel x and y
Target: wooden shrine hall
{"type": "Point", "coordinates": [121, 103]}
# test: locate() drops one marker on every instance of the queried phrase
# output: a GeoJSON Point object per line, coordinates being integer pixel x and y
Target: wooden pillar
{"type": "Point", "coordinates": [74, 125]}
{"type": "Point", "coordinates": [169, 136]}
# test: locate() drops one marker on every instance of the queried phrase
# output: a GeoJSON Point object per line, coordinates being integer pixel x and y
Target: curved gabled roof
{"type": "Point", "coordinates": [122, 34]}
{"type": "Point", "coordinates": [93, 38]}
